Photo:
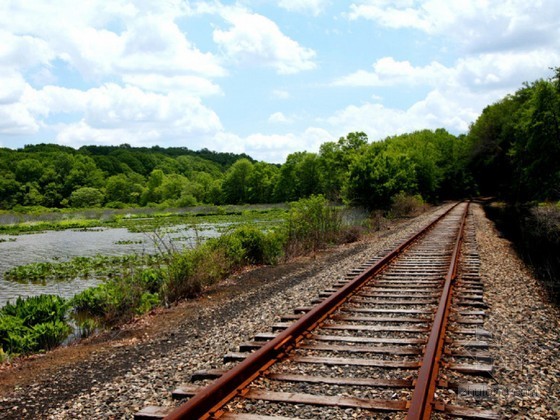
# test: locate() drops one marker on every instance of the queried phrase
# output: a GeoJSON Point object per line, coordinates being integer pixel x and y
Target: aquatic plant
{"type": "Point", "coordinates": [33, 324]}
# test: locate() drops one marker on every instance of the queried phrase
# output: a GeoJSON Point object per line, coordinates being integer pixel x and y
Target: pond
{"type": "Point", "coordinates": [52, 246]}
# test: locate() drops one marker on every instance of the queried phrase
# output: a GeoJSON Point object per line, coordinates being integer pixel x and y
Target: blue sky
{"type": "Point", "coordinates": [261, 77]}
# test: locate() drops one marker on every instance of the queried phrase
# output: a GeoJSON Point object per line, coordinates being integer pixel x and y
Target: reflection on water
{"type": "Point", "coordinates": [63, 245]}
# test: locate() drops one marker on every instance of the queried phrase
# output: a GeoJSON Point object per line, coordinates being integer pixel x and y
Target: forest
{"type": "Point", "coordinates": [512, 151]}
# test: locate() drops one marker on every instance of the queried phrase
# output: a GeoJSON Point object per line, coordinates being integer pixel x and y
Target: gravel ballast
{"type": "Point", "coordinates": [124, 375]}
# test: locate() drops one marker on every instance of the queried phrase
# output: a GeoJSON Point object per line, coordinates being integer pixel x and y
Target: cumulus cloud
{"type": "Point", "coordinates": [389, 72]}
{"type": "Point", "coordinates": [279, 117]}
{"type": "Point", "coordinates": [102, 40]}
{"type": "Point", "coordinates": [189, 85]}
{"type": "Point", "coordinates": [500, 71]}
{"type": "Point", "coordinates": [253, 39]}
{"type": "Point", "coordinates": [149, 75]}
{"type": "Point", "coordinates": [112, 113]}
{"type": "Point", "coordinates": [276, 147]}
{"type": "Point", "coordinates": [315, 7]}
{"type": "Point", "coordinates": [17, 120]}
{"type": "Point", "coordinates": [154, 44]}
{"type": "Point", "coordinates": [451, 107]}
{"type": "Point", "coordinates": [480, 26]}
{"type": "Point", "coordinates": [273, 148]}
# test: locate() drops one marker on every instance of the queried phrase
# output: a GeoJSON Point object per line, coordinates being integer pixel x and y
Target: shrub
{"type": "Point", "coordinates": [179, 281]}
{"type": "Point", "coordinates": [404, 205]}
{"type": "Point", "coordinates": [152, 279]}
{"type": "Point", "coordinates": [116, 300]}
{"type": "Point", "coordinates": [148, 301]}
{"type": "Point", "coordinates": [311, 224]}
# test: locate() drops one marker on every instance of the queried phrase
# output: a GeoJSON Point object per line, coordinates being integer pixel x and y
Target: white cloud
{"type": "Point", "coordinates": [112, 113]}
{"type": "Point", "coordinates": [189, 85]}
{"type": "Point", "coordinates": [488, 72]}
{"type": "Point", "coordinates": [23, 52]}
{"type": "Point", "coordinates": [275, 148]}
{"type": "Point", "coordinates": [451, 107]}
{"type": "Point", "coordinates": [103, 40]}
{"type": "Point", "coordinates": [272, 148]}
{"type": "Point", "coordinates": [12, 86]}
{"type": "Point", "coordinates": [16, 119]}
{"type": "Point", "coordinates": [253, 39]}
{"type": "Point", "coordinates": [389, 72]}
{"type": "Point", "coordinates": [315, 7]}
{"type": "Point", "coordinates": [280, 94]}
{"type": "Point", "coordinates": [280, 118]}
{"type": "Point", "coordinates": [154, 44]}
{"type": "Point", "coordinates": [478, 25]}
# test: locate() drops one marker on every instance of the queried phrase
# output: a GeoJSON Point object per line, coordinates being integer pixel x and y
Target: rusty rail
{"type": "Point", "coordinates": [421, 404]}
{"type": "Point", "coordinates": [209, 401]}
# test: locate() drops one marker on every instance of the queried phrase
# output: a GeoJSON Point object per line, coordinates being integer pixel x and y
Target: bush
{"type": "Point", "coordinates": [117, 300]}
{"type": "Point", "coordinates": [148, 301]}
{"type": "Point", "coordinates": [180, 281]}
{"type": "Point", "coordinates": [312, 223]}
{"type": "Point", "coordinates": [404, 205]}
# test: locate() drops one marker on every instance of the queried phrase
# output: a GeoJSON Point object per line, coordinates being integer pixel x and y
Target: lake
{"type": "Point", "coordinates": [51, 246]}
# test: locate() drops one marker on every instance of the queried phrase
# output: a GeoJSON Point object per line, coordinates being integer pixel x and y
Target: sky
{"type": "Point", "coordinates": [266, 78]}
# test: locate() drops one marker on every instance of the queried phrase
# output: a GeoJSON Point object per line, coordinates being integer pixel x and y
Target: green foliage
{"type": "Point", "coordinates": [37, 310]}
{"type": "Point", "coordinates": [236, 182]}
{"type": "Point", "coordinates": [311, 224]}
{"type": "Point", "coordinates": [50, 175]}
{"type": "Point", "coordinates": [335, 159]}
{"type": "Point", "coordinates": [515, 144]}
{"type": "Point", "coordinates": [117, 300]}
{"type": "Point", "coordinates": [33, 324]}
{"type": "Point", "coordinates": [404, 205]}
{"type": "Point", "coordinates": [86, 197]}
{"type": "Point", "coordinates": [247, 245]}
{"type": "Point", "coordinates": [100, 266]}
{"type": "Point", "coordinates": [377, 175]}
{"type": "Point", "coordinates": [299, 177]}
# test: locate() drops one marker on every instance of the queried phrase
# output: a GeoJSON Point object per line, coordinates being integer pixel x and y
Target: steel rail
{"type": "Point", "coordinates": [208, 402]}
{"type": "Point", "coordinates": [421, 404]}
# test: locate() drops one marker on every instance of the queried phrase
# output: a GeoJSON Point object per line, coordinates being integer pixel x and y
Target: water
{"type": "Point", "coordinates": [54, 246]}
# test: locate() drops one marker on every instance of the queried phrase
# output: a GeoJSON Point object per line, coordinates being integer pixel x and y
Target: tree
{"type": "Point", "coordinates": [236, 185]}
{"type": "Point", "coordinates": [28, 170]}
{"type": "Point", "coordinates": [86, 197]}
{"type": "Point", "coordinates": [10, 190]}
{"type": "Point", "coordinates": [300, 177]}
{"type": "Point", "coordinates": [377, 175]}
{"type": "Point", "coordinates": [262, 181]}
{"type": "Point", "coordinates": [123, 189]}
{"type": "Point", "coordinates": [335, 159]}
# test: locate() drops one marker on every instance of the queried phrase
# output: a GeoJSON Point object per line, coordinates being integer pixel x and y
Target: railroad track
{"type": "Point", "coordinates": [400, 336]}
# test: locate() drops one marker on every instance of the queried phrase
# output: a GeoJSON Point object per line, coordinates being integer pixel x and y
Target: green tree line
{"type": "Point", "coordinates": [351, 169]}
{"type": "Point", "coordinates": [515, 144]}
{"type": "Point", "coordinates": [512, 150]}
